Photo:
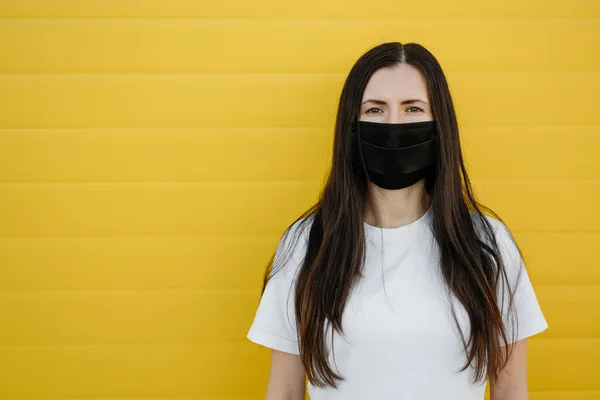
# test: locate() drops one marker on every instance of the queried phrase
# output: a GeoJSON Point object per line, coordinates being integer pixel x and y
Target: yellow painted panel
{"type": "Point", "coordinates": [173, 46]}
{"type": "Point", "coordinates": [169, 155]}
{"type": "Point", "coordinates": [561, 258]}
{"type": "Point", "coordinates": [524, 153]}
{"type": "Point", "coordinates": [222, 154]}
{"type": "Point", "coordinates": [130, 263]}
{"type": "Point", "coordinates": [543, 205]}
{"type": "Point", "coordinates": [138, 263]}
{"type": "Point", "coordinates": [524, 99]}
{"type": "Point", "coordinates": [151, 209]}
{"type": "Point", "coordinates": [304, 9]}
{"type": "Point", "coordinates": [565, 395]}
{"type": "Point", "coordinates": [572, 311]}
{"type": "Point", "coordinates": [563, 364]}
{"type": "Point", "coordinates": [128, 317]}
{"type": "Point", "coordinates": [203, 371]}
{"type": "Point", "coordinates": [31, 210]}
{"type": "Point", "coordinates": [165, 316]}
{"type": "Point", "coordinates": [131, 371]}
{"type": "Point", "coordinates": [170, 101]}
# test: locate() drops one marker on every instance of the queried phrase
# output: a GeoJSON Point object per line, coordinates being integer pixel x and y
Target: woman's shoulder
{"type": "Point", "coordinates": [298, 232]}
{"type": "Point", "coordinates": [503, 236]}
{"type": "Point", "coordinates": [293, 244]}
{"type": "Point", "coordinates": [499, 228]}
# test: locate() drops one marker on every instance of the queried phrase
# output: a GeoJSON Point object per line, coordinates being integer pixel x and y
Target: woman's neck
{"type": "Point", "coordinates": [396, 207]}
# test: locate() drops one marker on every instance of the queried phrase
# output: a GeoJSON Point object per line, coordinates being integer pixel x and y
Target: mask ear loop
{"type": "Point", "coordinates": [360, 150]}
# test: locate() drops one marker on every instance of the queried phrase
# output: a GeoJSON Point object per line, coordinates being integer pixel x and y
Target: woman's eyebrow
{"type": "Point", "coordinates": [411, 101]}
{"type": "Point", "coordinates": [403, 102]}
{"type": "Point", "coordinates": [375, 101]}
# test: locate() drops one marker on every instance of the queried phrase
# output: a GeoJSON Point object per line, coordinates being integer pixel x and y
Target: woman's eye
{"type": "Point", "coordinates": [414, 108]}
{"type": "Point", "coordinates": [370, 109]}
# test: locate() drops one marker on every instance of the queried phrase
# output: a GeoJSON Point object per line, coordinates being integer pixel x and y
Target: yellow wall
{"type": "Point", "coordinates": [152, 152]}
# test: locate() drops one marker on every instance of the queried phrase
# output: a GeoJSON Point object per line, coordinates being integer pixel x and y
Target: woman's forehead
{"type": "Point", "coordinates": [395, 84]}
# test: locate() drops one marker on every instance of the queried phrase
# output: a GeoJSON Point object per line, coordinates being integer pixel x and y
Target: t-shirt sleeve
{"type": "Point", "coordinates": [526, 319]}
{"type": "Point", "coordinates": [274, 324]}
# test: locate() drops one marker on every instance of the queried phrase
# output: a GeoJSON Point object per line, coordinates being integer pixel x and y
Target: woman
{"type": "Point", "coordinates": [395, 285]}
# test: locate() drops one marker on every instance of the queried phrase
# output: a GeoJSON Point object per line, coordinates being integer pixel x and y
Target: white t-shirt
{"type": "Point", "coordinates": [400, 340]}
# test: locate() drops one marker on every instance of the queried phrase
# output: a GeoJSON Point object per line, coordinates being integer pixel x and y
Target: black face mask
{"type": "Point", "coordinates": [396, 156]}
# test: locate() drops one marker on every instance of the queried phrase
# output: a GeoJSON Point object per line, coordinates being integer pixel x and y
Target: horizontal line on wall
{"type": "Point", "coordinates": [96, 73]}
{"type": "Point", "coordinates": [203, 128]}
{"type": "Point", "coordinates": [309, 19]}
{"type": "Point", "coordinates": [252, 128]}
{"type": "Point", "coordinates": [272, 182]}
{"type": "Point", "coordinates": [245, 236]}
{"type": "Point", "coordinates": [143, 396]}
{"type": "Point", "coordinates": [194, 291]}
{"type": "Point", "coordinates": [227, 343]}
{"type": "Point", "coordinates": [208, 235]}
{"type": "Point", "coordinates": [128, 291]}
{"type": "Point", "coordinates": [341, 74]}
{"type": "Point", "coordinates": [270, 235]}
{"type": "Point", "coordinates": [563, 391]}
{"type": "Point", "coordinates": [155, 183]}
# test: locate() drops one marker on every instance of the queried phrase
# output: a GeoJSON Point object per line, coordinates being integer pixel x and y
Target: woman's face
{"type": "Point", "coordinates": [396, 95]}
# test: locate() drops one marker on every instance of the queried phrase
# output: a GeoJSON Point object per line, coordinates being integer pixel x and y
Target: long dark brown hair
{"type": "Point", "coordinates": [470, 259]}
